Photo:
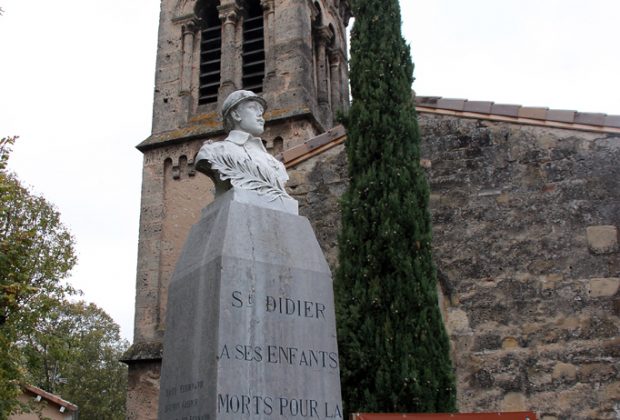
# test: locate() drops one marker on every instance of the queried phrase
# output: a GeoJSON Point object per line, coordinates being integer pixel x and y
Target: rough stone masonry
{"type": "Point", "coordinates": [525, 223]}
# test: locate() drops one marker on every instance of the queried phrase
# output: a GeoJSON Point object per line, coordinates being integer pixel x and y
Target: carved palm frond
{"type": "Point", "coordinates": [247, 175]}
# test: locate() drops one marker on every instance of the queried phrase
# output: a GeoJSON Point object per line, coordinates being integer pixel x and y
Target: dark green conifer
{"type": "Point", "coordinates": [394, 351]}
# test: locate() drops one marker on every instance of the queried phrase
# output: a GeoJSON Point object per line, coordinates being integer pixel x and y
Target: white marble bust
{"type": "Point", "coordinates": [241, 162]}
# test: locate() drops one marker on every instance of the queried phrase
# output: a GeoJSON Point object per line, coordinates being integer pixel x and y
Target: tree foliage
{"type": "Point", "coordinates": [36, 253]}
{"type": "Point", "coordinates": [70, 349]}
{"type": "Point", "coordinates": [36, 250]}
{"type": "Point", "coordinates": [74, 352]}
{"type": "Point", "coordinates": [10, 374]}
{"type": "Point", "coordinates": [392, 341]}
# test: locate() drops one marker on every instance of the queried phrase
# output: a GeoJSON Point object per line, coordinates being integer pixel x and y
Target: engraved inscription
{"type": "Point", "coordinates": [191, 386]}
{"type": "Point", "coordinates": [275, 354]}
{"type": "Point", "coordinates": [282, 305]}
{"type": "Point", "coordinates": [178, 400]}
{"type": "Point", "coordinates": [249, 405]}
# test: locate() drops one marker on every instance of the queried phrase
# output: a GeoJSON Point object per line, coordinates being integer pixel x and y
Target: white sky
{"type": "Point", "coordinates": [76, 82]}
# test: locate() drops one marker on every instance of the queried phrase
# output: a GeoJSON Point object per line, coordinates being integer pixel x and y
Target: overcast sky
{"type": "Point", "coordinates": [76, 84]}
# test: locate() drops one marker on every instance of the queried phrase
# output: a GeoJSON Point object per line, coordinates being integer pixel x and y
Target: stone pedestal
{"type": "Point", "coordinates": [250, 327]}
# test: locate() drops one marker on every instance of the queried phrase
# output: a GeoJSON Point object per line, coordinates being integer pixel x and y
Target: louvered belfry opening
{"type": "Point", "coordinates": [210, 54]}
{"type": "Point", "coordinates": [253, 48]}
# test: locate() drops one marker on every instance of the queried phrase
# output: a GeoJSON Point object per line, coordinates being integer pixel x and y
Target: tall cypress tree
{"type": "Point", "coordinates": [394, 350]}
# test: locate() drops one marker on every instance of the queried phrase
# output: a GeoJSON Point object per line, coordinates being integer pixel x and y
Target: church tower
{"type": "Point", "coordinates": [291, 52]}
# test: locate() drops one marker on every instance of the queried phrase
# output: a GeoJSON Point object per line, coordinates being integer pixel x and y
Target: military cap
{"type": "Point", "coordinates": [237, 97]}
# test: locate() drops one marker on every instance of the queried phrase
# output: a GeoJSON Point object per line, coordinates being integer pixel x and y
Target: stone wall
{"type": "Point", "coordinates": [318, 183]}
{"type": "Point", "coordinates": [526, 226]}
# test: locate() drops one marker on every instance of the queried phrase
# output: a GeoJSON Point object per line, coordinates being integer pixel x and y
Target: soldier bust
{"type": "Point", "coordinates": [241, 162]}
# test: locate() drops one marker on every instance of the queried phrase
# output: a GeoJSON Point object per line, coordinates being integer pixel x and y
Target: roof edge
{"type": "Point", "coordinates": [50, 397]}
{"type": "Point", "coordinates": [539, 116]}
{"type": "Point", "coordinates": [311, 147]}
{"type": "Point", "coordinates": [516, 114]}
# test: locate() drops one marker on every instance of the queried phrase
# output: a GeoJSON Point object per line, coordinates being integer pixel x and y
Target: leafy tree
{"type": "Point", "coordinates": [74, 352]}
{"type": "Point", "coordinates": [10, 374]}
{"type": "Point", "coordinates": [36, 253]}
{"type": "Point", "coordinates": [71, 349]}
{"type": "Point", "coordinates": [36, 250]}
{"type": "Point", "coordinates": [392, 341]}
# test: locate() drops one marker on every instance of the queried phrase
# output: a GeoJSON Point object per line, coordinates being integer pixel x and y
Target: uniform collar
{"type": "Point", "coordinates": [240, 138]}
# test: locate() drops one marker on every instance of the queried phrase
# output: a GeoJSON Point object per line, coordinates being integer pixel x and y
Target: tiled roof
{"type": "Point", "coordinates": [50, 397]}
{"type": "Point", "coordinates": [313, 146]}
{"type": "Point", "coordinates": [574, 120]}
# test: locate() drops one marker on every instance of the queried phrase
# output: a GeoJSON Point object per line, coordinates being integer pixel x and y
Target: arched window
{"type": "Point", "coordinates": [253, 47]}
{"type": "Point", "coordinates": [210, 53]}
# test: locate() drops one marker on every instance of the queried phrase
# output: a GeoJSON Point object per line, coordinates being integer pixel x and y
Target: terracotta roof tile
{"type": "Point", "coordinates": [561, 115]}
{"type": "Point", "coordinates": [506, 110]}
{"type": "Point", "coordinates": [315, 145]}
{"type": "Point", "coordinates": [453, 104]}
{"type": "Point", "coordinates": [325, 138]}
{"type": "Point", "coordinates": [520, 114]}
{"type": "Point", "coordinates": [612, 121]}
{"type": "Point", "coordinates": [294, 152]}
{"type": "Point", "coordinates": [430, 101]}
{"type": "Point", "coordinates": [51, 397]}
{"type": "Point", "coordinates": [589, 118]}
{"type": "Point", "coordinates": [312, 144]}
{"type": "Point", "coordinates": [533, 113]}
{"type": "Point", "coordinates": [517, 114]}
{"type": "Point", "coordinates": [481, 107]}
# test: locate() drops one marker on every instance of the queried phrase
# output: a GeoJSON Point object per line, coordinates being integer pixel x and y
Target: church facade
{"type": "Point", "coordinates": [291, 52]}
{"type": "Point", "coordinates": [525, 203]}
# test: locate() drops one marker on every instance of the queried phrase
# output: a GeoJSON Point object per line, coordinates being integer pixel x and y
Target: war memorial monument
{"type": "Point", "coordinates": [251, 327]}
{"type": "Point", "coordinates": [530, 298]}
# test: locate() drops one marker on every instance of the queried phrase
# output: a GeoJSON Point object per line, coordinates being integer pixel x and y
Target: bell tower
{"type": "Point", "coordinates": [291, 52]}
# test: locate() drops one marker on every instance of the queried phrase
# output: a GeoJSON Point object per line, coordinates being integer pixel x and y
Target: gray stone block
{"type": "Point", "coordinates": [250, 328]}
